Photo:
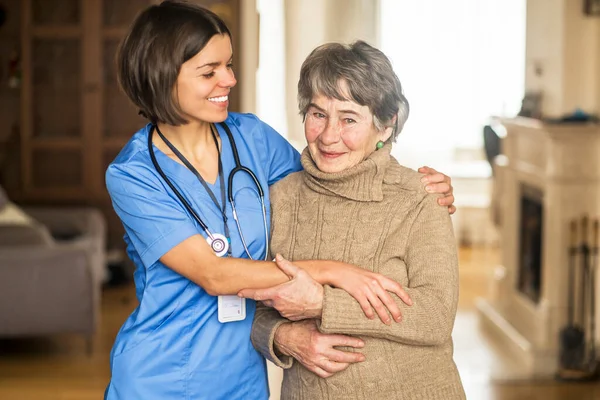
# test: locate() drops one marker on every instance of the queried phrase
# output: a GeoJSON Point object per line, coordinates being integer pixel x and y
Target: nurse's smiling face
{"type": "Point", "coordinates": [204, 82]}
{"type": "Point", "coordinates": [340, 134]}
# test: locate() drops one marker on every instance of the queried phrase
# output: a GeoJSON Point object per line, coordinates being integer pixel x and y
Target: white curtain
{"type": "Point", "coordinates": [459, 62]}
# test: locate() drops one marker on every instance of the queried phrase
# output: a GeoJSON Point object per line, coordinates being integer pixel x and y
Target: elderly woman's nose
{"type": "Point", "coordinates": [331, 133]}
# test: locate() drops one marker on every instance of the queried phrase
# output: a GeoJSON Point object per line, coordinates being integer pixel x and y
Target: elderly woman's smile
{"type": "Point", "coordinates": [340, 134]}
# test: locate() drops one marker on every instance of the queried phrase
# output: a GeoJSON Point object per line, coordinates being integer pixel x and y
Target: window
{"type": "Point", "coordinates": [270, 77]}
{"type": "Point", "coordinates": [459, 62]}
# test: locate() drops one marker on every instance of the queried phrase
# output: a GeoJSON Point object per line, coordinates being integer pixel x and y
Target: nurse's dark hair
{"type": "Point", "coordinates": [149, 59]}
{"type": "Point", "coordinates": [355, 72]}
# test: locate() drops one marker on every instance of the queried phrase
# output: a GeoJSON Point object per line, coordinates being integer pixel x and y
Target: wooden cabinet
{"type": "Point", "coordinates": [74, 118]}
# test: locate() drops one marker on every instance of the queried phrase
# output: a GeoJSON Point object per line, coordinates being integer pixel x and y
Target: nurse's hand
{"type": "Point", "coordinates": [299, 298]}
{"type": "Point", "coordinates": [437, 182]}
{"type": "Point", "coordinates": [371, 290]}
{"type": "Point", "coordinates": [315, 350]}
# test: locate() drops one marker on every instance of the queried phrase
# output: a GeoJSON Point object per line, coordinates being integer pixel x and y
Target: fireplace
{"type": "Point", "coordinates": [529, 281]}
{"type": "Point", "coordinates": [551, 176]}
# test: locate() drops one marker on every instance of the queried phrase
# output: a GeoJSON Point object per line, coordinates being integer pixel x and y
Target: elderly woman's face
{"type": "Point", "coordinates": [340, 134]}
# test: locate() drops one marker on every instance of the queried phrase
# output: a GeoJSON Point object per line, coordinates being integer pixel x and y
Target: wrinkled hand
{"type": "Point", "coordinates": [437, 182]}
{"type": "Point", "coordinates": [315, 350]}
{"type": "Point", "coordinates": [300, 298]}
{"type": "Point", "coordinates": [371, 290]}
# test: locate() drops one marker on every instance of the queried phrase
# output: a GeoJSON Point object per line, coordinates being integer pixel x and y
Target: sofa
{"type": "Point", "coordinates": [52, 265]}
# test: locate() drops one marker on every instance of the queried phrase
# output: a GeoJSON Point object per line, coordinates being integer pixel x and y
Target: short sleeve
{"type": "Point", "coordinates": [282, 157]}
{"type": "Point", "coordinates": [154, 221]}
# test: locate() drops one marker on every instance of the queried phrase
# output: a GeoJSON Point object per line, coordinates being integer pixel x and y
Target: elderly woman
{"type": "Point", "coordinates": [354, 203]}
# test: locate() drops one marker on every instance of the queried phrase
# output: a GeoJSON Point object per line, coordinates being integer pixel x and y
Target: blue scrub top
{"type": "Point", "coordinates": [172, 346]}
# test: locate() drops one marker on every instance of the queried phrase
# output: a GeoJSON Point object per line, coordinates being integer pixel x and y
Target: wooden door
{"type": "Point", "coordinates": [52, 120]}
{"type": "Point", "coordinates": [74, 117]}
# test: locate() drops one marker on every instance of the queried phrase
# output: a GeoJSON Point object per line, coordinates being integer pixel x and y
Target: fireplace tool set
{"type": "Point", "coordinates": [578, 360]}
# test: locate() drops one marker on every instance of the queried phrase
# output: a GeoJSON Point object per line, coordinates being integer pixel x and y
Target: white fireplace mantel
{"type": "Point", "coordinates": [563, 163]}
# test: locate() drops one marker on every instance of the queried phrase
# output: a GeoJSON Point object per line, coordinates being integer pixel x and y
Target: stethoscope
{"type": "Point", "coordinates": [219, 243]}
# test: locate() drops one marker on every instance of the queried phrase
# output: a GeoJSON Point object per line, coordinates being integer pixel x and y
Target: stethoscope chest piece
{"type": "Point", "coordinates": [219, 244]}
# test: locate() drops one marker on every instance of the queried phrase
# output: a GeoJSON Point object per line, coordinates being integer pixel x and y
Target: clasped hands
{"type": "Point", "coordinates": [301, 299]}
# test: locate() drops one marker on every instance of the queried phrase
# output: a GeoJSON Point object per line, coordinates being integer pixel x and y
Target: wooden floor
{"type": "Point", "coordinates": [59, 368]}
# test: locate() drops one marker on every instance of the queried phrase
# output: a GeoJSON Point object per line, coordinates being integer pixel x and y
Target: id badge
{"type": "Point", "coordinates": [231, 308]}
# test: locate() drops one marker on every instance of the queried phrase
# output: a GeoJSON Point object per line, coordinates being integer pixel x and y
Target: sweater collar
{"type": "Point", "coordinates": [362, 182]}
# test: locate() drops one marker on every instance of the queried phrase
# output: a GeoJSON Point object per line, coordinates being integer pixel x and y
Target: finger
{"type": "Point", "coordinates": [332, 366]}
{"type": "Point", "coordinates": [247, 293]}
{"type": "Point", "coordinates": [268, 303]}
{"type": "Point", "coordinates": [394, 287]}
{"type": "Point", "coordinates": [343, 340]}
{"type": "Point", "coordinates": [320, 371]}
{"type": "Point", "coordinates": [379, 308]}
{"type": "Point", "coordinates": [389, 303]}
{"type": "Point", "coordinates": [429, 172]}
{"type": "Point", "coordinates": [447, 200]}
{"type": "Point", "coordinates": [258, 294]}
{"type": "Point", "coordinates": [366, 307]}
{"type": "Point", "coordinates": [442, 188]}
{"type": "Point", "coordinates": [287, 267]}
{"type": "Point", "coordinates": [435, 177]}
{"type": "Point", "coordinates": [344, 356]}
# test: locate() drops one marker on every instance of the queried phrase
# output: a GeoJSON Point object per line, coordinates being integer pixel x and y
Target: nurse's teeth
{"type": "Point", "coordinates": [218, 99]}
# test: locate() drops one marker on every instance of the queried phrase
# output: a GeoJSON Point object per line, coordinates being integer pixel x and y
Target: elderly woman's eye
{"type": "Point", "coordinates": [350, 121]}
{"type": "Point", "coordinates": [318, 115]}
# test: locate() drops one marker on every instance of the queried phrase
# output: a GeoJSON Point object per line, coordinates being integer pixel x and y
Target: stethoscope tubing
{"type": "Point", "coordinates": [174, 189]}
{"type": "Point", "coordinates": [238, 168]}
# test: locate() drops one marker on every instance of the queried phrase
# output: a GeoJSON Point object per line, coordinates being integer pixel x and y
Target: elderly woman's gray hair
{"type": "Point", "coordinates": [357, 72]}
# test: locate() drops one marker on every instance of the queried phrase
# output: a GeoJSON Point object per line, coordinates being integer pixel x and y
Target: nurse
{"type": "Point", "coordinates": [169, 186]}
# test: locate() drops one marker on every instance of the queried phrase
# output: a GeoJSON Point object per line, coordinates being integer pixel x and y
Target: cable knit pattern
{"type": "Point", "coordinates": [375, 215]}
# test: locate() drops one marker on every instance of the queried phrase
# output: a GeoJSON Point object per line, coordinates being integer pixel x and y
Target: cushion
{"type": "Point", "coordinates": [11, 214]}
{"type": "Point", "coordinates": [19, 229]}
{"type": "Point", "coordinates": [12, 236]}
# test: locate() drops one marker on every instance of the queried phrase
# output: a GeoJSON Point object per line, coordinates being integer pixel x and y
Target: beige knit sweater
{"type": "Point", "coordinates": [375, 215]}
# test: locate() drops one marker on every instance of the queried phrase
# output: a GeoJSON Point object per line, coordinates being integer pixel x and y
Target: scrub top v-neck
{"type": "Point", "coordinates": [172, 346]}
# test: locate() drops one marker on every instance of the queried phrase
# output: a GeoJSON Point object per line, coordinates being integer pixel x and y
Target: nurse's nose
{"type": "Point", "coordinates": [228, 79]}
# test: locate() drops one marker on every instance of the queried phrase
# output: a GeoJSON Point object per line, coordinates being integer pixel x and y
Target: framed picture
{"type": "Point", "coordinates": [591, 7]}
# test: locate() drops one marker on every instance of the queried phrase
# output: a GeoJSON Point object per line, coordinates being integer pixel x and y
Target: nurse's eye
{"type": "Point", "coordinates": [230, 66]}
{"type": "Point", "coordinates": [209, 75]}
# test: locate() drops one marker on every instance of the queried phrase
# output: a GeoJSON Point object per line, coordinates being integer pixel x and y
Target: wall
{"type": "Point", "coordinates": [270, 77]}
{"type": "Point", "coordinates": [563, 47]}
{"type": "Point", "coordinates": [249, 55]}
{"type": "Point", "coordinates": [309, 23]}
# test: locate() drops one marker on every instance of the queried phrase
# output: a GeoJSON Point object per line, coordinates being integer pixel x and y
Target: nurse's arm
{"type": "Point", "coordinates": [194, 259]}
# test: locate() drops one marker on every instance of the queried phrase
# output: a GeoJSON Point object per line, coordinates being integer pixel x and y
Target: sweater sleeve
{"type": "Point", "coordinates": [266, 322]}
{"type": "Point", "coordinates": [432, 268]}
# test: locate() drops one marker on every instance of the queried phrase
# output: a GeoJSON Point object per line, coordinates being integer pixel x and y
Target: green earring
{"type": "Point", "coordinates": [379, 145]}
